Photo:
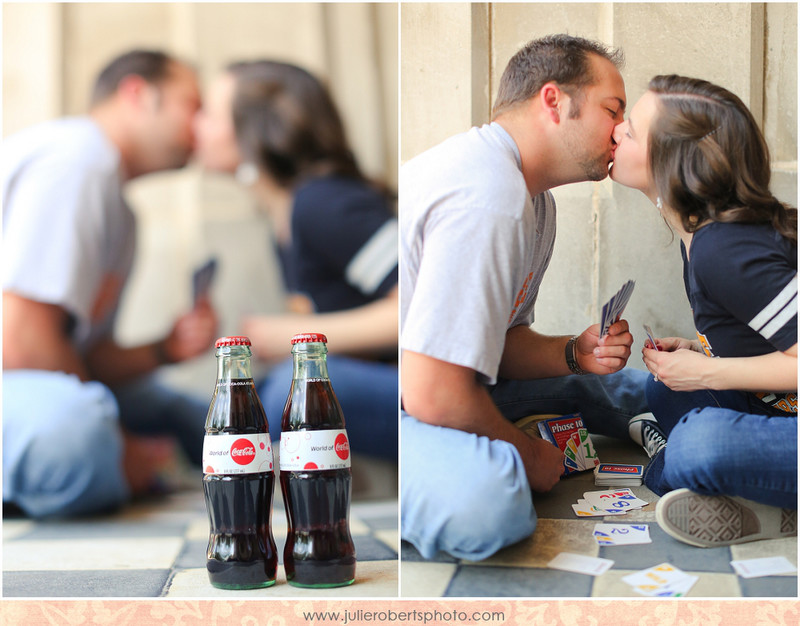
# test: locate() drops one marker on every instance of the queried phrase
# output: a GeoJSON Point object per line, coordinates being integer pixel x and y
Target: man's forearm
{"type": "Point", "coordinates": [529, 355]}
{"type": "Point", "coordinates": [112, 364]}
{"type": "Point", "coordinates": [447, 395]}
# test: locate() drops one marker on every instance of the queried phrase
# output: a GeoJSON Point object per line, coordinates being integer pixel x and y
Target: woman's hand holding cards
{"type": "Point", "coordinates": [678, 364]}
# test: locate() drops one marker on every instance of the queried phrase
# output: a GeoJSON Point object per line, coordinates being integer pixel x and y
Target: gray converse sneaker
{"type": "Point", "coordinates": [644, 430]}
{"type": "Point", "coordinates": [712, 521]}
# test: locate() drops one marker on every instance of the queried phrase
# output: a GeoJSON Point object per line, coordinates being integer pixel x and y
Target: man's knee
{"type": "Point", "coordinates": [70, 463]}
{"type": "Point", "coordinates": [497, 512]}
{"type": "Point", "coordinates": [481, 504]}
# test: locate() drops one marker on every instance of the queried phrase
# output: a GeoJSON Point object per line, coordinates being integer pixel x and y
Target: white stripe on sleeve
{"type": "Point", "coordinates": [375, 259]}
{"type": "Point", "coordinates": [780, 319]}
{"type": "Point", "coordinates": [778, 307]}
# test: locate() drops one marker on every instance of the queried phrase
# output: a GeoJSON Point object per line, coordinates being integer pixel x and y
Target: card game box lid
{"type": "Point", "coordinates": [618, 474]}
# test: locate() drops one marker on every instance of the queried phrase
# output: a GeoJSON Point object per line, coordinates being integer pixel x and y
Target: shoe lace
{"type": "Point", "coordinates": [654, 439]}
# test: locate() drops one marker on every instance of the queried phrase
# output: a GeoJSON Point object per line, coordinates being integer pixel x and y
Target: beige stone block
{"type": "Point", "coordinates": [32, 43]}
{"type": "Point", "coordinates": [786, 547]}
{"type": "Point", "coordinates": [780, 82]}
{"type": "Point", "coordinates": [436, 74]}
{"type": "Point", "coordinates": [551, 537]}
{"type": "Point", "coordinates": [425, 580]}
{"type": "Point", "coordinates": [390, 537]}
{"type": "Point", "coordinates": [13, 528]}
{"type": "Point", "coordinates": [92, 554]}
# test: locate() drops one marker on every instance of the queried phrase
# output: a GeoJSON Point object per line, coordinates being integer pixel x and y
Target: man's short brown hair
{"type": "Point", "coordinates": [152, 65]}
{"type": "Point", "coordinates": [561, 59]}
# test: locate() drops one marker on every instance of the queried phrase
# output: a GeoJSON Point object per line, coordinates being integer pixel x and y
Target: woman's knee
{"type": "Point", "coordinates": [695, 454]}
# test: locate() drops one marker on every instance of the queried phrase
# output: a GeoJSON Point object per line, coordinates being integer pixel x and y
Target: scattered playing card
{"type": "Point", "coordinates": [618, 475]}
{"type": "Point", "coordinates": [673, 590]}
{"type": "Point", "coordinates": [662, 580]}
{"type": "Point", "coordinates": [621, 534]}
{"type": "Point", "coordinates": [614, 500]}
{"type": "Point", "coordinates": [767, 566]}
{"type": "Point", "coordinates": [650, 335]}
{"type": "Point", "coordinates": [580, 564]}
{"type": "Point", "coordinates": [612, 310]}
{"type": "Point", "coordinates": [584, 509]}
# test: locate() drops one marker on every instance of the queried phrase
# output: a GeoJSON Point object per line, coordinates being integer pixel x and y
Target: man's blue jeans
{"type": "Point", "coordinates": [62, 438]}
{"type": "Point", "coordinates": [367, 392]}
{"type": "Point", "coordinates": [723, 443]}
{"type": "Point", "coordinates": [469, 495]}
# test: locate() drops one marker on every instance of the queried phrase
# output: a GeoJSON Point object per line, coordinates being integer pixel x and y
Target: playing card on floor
{"type": "Point", "coordinates": [621, 534]}
{"type": "Point", "coordinates": [765, 566]}
{"type": "Point", "coordinates": [580, 564]}
{"type": "Point", "coordinates": [615, 500]}
{"type": "Point", "coordinates": [584, 509]}
{"type": "Point", "coordinates": [663, 580]}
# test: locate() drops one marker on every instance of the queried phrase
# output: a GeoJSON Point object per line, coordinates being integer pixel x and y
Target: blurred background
{"type": "Point", "coordinates": [52, 53]}
{"type": "Point", "coordinates": [453, 55]}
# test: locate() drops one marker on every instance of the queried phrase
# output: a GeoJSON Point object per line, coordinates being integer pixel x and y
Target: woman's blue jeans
{"type": "Point", "coordinates": [723, 443]}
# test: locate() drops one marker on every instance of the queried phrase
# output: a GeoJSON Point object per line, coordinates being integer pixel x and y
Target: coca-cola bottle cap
{"type": "Point", "coordinates": [232, 341]}
{"type": "Point", "coordinates": [309, 338]}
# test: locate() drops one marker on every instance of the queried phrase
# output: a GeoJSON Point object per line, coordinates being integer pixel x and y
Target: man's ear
{"type": "Point", "coordinates": [551, 99]}
{"type": "Point", "coordinates": [137, 92]}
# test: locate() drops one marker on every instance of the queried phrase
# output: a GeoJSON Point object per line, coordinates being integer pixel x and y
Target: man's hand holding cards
{"type": "Point", "coordinates": [604, 348]}
{"type": "Point", "coordinates": [201, 281]}
{"type": "Point", "coordinates": [612, 310]}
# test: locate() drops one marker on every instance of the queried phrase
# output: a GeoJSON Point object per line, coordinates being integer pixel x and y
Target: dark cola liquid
{"type": "Point", "coordinates": [241, 551]}
{"type": "Point", "coordinates": [319, 550]}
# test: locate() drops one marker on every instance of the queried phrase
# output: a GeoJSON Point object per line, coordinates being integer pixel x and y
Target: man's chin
{"type": "Point", "coordinates": [596, 175]}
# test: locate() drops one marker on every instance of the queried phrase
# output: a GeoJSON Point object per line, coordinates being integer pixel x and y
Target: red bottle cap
{"type": "Point", "coordinates": [309, 338]}
{"type": "Point", "coordinates": [232, 341]}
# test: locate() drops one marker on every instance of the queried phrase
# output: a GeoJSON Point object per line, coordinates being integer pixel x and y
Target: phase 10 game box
{"type": "Point", "coordinates": [570, 435]}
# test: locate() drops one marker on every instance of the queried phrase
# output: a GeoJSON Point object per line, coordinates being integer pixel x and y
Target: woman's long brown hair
{"type": "Point", "coordinates": [709, 159]}
{"type": "Point", "coordinates": [287, 124]}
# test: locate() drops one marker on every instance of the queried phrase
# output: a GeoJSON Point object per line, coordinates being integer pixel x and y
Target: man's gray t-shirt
{"type": "Point", "coordinates": [474, 247]}
{"type": "Point", "coordinates": [68, 235]}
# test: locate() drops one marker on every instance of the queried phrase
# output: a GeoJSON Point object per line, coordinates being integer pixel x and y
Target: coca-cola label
{"type": "Point", "coordinates": [309, 450]}
{"type": "Point", "coordinates": [237, 454]}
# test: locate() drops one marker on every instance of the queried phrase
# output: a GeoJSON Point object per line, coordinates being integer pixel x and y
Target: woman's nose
{"type": "Point", "coordinates": [618, 132]}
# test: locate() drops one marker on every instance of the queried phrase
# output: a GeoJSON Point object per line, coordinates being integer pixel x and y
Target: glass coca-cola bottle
{"type": "Point", "coordinates": [315, 474]}
{"type": "Point", "coordinates": [238, 476]}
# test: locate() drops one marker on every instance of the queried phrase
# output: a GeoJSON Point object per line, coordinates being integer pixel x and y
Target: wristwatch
{"type": "Point", "coordinates": [572, 360]}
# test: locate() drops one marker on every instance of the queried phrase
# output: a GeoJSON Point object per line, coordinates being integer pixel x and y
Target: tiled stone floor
{"type": "Point", "coordinates": [521, 570]}
{"type": "Point", "coordinates": [157, 548]}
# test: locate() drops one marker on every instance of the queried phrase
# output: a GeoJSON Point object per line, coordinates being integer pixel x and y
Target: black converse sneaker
{"type": "Point", "coordinates": [712, 521]}
{"type": "Point", "coordinates": [644, 430]}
